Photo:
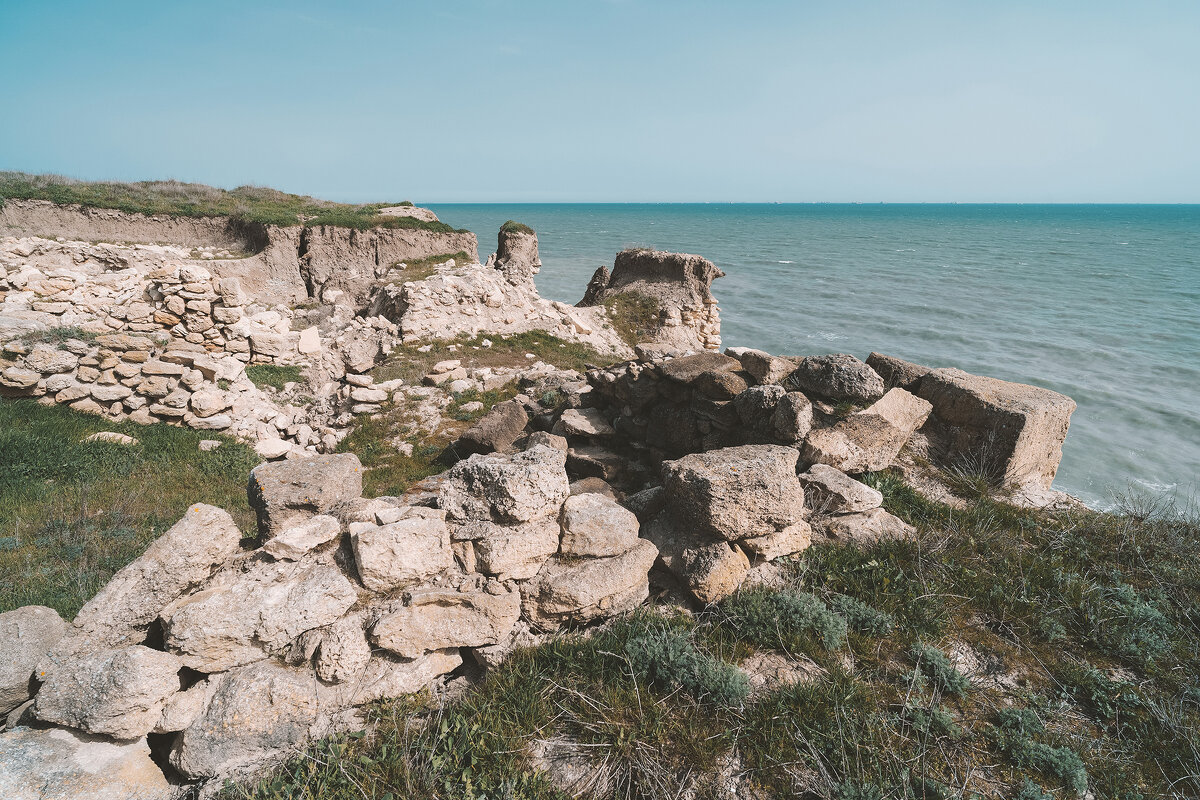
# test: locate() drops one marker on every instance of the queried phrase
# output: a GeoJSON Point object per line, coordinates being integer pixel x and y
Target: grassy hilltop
{"type": "Point", "coordinates": [174, 198]}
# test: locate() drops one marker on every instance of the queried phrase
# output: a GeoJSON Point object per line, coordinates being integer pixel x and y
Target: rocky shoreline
{"type": "Point", "coordinates": [676, 469]}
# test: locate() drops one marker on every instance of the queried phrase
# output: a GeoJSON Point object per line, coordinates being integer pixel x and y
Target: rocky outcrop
{"type": "Point", "coordinates": [680, 284]}
{"type": "Point", "coordinates": [516, 255]}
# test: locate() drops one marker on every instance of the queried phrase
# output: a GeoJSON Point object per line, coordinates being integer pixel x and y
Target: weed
{"type": "Point", "coordinates": [273, 375]}
{"type": "Point", "coordinates": [785, 620]}
{"type": "Point", "coordinates": [933, 664]}
{"type": "Point", "coordinates": [512, 226]}
{"type": "Point", "coordinates": [933, 721]}
{"type": "Point", "coordinates": [862, 618]}
{"type": "Point", "coordinates": [1013, 733]}
{"type": "Point", "coordinates": [670, 660]}
{"type": "Point", "coordinates": [58, 335]}
{"type": "Point", "coordinates": [633, 314]}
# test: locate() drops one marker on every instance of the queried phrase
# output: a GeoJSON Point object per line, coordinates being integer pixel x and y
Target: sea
{"type": "Point", "coordinates": [1099, 302]}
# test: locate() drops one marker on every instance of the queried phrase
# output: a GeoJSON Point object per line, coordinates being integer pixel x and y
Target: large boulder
{"type": "Point", "coordinates": [514, 488]}
{"type": "Point", "coordinates": [837, 377]}
{"type": "Point", "coordinates": [496, 431]}
{"type": "Point", "coordinates": [736, 492]}
{"type": "Point", "coordinates": [286, 493]}
{"type": "Point", "coordinates": [119, 693]}
{"type": "Point", "coordinates": [244, 615]}
{"type": "Point", "coordinates": [574, 590]}
{"type": "Point", "coordinates": [594, 525]}
{"type": "Point", "coordinates": [868, 440]}
{"type": "Point", "coordinates": [26, 635]}
{"type": "Point", "coordinates": [896, 372]}
{"type": "Point", "coordinates": [1011, 432]}
{"type": "Point", "coordinates": [253, 714]}
{"type": "Point", "coordinates": [403, 552]}
{"type": "Point", "coordinates": [831, 491]}
{"type": "Point", "coordinates": [439, 619]}
{"type": "Point", "coordinates": [58, 764]}
{"type": "Point", "coordinates": [175, 564]}
{"type": "Point", "coordinates": [678, 284]}
{"type": "Point", "coordinates": [516, 254]}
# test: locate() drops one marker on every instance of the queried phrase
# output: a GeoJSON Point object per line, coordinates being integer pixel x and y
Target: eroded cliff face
{"type": "Point", "coordinates": [281, 264]}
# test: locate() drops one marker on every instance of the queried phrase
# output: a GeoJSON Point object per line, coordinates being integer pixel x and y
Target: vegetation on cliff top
{"type": "Point", "coordinates": [512, 226]}
{"type": "Point", "coordinates": [174, 198]}
{"type": "Point", "coordinates": [1003, 653]}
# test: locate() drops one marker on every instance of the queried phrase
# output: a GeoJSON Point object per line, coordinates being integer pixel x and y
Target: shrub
{"type": "Point", "coordinates": [863, 618]}
{"type": "Point", "coordinates": [512, 226]}
{"type": "Point", "coordinates": [933, 721]}
{"type": "Point", "coordinates": [669, 660]}
{"type": "Point", "coordinates": [933, 664]}
{"type": "Point", "coordinates": [784, 620]}
{"type": "Point", "coordinates": [1031, 791]}
{"type": "Point", "coordinates": [632, 314]}
{"type": "Point", "coordinates": [58, 335]}
{"type": "Point", "coordinates": [1014, 732]}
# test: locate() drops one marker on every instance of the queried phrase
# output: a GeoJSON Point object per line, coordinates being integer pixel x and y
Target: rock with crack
{"type": "Point", "coordinates": [284, 494]}
{"type": "Point", "coordinates": [594, 525]}
{"type": "Point", "coordinates": [242, 616]}
{"type": "Point", "coordinates": [511, 552]}
{"type": "Point", "coordinates": [514, 488]}
{"type": "Point", "coordinates": [496, 431]}
{"type": "Point", "coordinates": [403, 552]}
{"type": "Point", "coordinates": [736, 492]}
{"type": "Point", "coordinates": [27, 634]}
{"type": "Point", "coordinates": [579, 590]}
{"type": "Point", "coordinates": [831, 491]}
{"type": "Point", "coordinates": [440, 619]}
{"type": "Point", "coordinates": [1007, 431]}
{"type": "Point", "coordinates": [175, 564]}
{"type": "Point", "coordinates": [255, 713]}
{"type": "Point", "coordinates": [709, 567]}
{"type": "Point", "coordinates": [58, 764]}
{"type": "Point", "coordinates": [119, 693]}
{"type": "Point", "coordinates": [868, 440]}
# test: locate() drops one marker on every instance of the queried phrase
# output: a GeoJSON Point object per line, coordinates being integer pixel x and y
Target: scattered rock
{"type": "Point", "coordinates": [111, 437]}
{"type": "Point", "coordinates": [403, 552]}
{"type": "Point", "coordinates": [293, 543]}
{"type": "Point", "coordinates": [496, 431]}
{"type": "Point", "coordinates": [514, 488]}
{"type": "Point", "coordinates": [570, 590]}
{"type": "Point", "coordinates": [866, 527]}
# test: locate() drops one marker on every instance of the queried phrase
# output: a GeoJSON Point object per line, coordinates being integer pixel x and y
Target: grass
{"type": "Point", "coordinates": [273, 375]}
{"type": "Point", "coordinates": [633, 314]}
{"type": "Point", "coordinates": [73, 513]}
{"type": "Point", "coordinates": [422, 268]}
{"type": "Point", "coordinates": [174, 198]}
{"type": "Point", "coordinates": [57, 335]}
{"type": "Point", "coordinates": [411, 364]}
{"type": "Point", "coordinates": [1003, 653]}
{"type": "Point", "coordinates": [512, 226]}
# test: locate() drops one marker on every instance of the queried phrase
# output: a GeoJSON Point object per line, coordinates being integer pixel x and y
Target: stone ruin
{"type": "Point", "coordinates": [212, 656]}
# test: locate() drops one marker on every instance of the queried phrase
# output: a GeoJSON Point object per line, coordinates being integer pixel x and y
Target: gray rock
{"type": "Point", "coordinates": [26, 635]}
{"type": "Point", "coordinates": [709, 567]}
{"type": "Point", "coordinates": [869, 440]}
{"type": "Point", "coordinates": [866, 527]}
{"type": "Point", "coordinates": [120, 693]}
{"type": "Point", "coordinates": [513, 552]}
{"type": "Point", "coordinates": [57, 764]}
{"type": "Point", "coordinates": [344, 651]}
{"type": "Point", "coordinates": [440, 619]}
{"type": "Point", "coordinates": [255, 713]}
{"type": "Point", "coordinates": [514, 488]}
{"type": "Point", "coordinates": [404, 552]}
{"type": "Point", "coordinates": [831, 491]}
{"type": "Point", "coordinates": [48, 360]}
{"type": "Point", "coordinates": [586, 422]}
{"type": "Point", "coordinates": [786, 542]}
{"type": "Point", "coordinates": [765, 368]}
{"type": "Point", "coordinates": [594, 525]}
{"type": "Point", "coordinates": [496, 431]}
{"type": "Point", "coordinates": [244, 615]}
{"type": "Point", "coordinates": [736, 492]}
{"type": "Point", "coordinates": [837, 377]}
{"type": "Point", "coordinates": [571, 590]}
{"type": "Point", "coordinates": [897, 372]}
{"type": "Point", "coordinates": [183, 708]}
{"type": "Point", "coordinates": [288, 492]}
{"type": "Point", "coordinates": [386, 676]}
{"type": "Point", "coordinates": [293, 543]}
{"type": "Point", "coordinates": [792, 418]}
{"type": "Point", "coordinates": [516, 254]}
{"type": "Point", "coordinates": [176, 563]}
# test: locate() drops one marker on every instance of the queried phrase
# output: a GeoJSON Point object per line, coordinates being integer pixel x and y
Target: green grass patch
{"type": "Point", "coordinates": [512, 226]}
{"type": "Point", "coordinates": [632, 314]}
{"type": "Point", "coordinates": [274, 376]}
{"type": "Point", "coordinates": [73, 513]}
{"type": "Point", "coordinates": [421, 268]}
{"type": "Point", "coordinates": [410, 364]}
{"type": "Point", "coordinates": [58, 335]}
{"type": "Point", "coordinates": [174, 198]}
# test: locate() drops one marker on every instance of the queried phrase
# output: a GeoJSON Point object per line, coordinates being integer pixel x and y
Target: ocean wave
{"type": "Point", "coordinates": [785, 262]}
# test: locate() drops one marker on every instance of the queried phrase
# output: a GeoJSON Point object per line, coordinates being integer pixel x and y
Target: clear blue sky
{"type": "Point", "coordinates": [614, 100]}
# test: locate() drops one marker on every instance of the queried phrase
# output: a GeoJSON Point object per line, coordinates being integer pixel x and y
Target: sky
{"type": "Point", "coordinates": [613, 100]}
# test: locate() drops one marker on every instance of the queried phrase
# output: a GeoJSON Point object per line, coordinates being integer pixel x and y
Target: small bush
{"type": "Point", "coordinates": [784, 620]}
{"type": "Point", "coordinates": [862, 618]}
{"type": "Point", "coordinates": [934, 721]}
{"type": "Point", "coordinates": [1031, 791]}
{"type": "Point", "coordinates": [933, 664]}
{"type": "Point", "coordinates": [669, 660]}
{"type": "Point", "coordinates": [632, 314]}
{"type": "Point", "coordinates": [1014, 732]}
{"type": "Point", "coordinates": [58, 335]}
{"type": "Point", "coordinates": [273, 375]}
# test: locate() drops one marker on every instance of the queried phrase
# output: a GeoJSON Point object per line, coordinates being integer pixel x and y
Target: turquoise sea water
{"type": "Point", "coordinates": [1101, 303]}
